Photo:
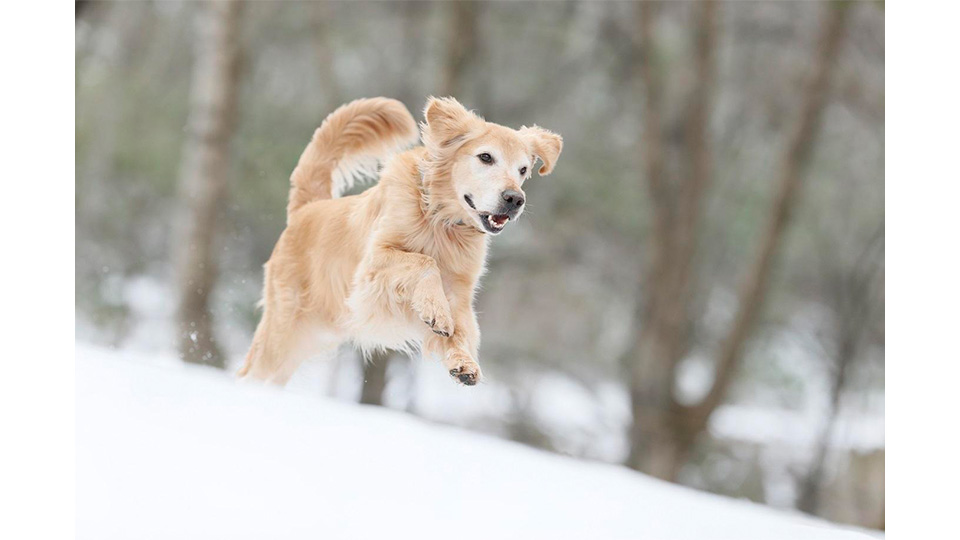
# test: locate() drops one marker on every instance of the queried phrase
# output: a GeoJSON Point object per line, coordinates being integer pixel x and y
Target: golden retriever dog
{"type": "Point", "coordinates": [397, 266]}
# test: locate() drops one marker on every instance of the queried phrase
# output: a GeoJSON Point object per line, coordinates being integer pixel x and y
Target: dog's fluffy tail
{"type": "Point", "coordinates": [350, 144]}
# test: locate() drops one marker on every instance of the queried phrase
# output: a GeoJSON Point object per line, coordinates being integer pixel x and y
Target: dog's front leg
{"type": "Point", "coordinates": [459, 351]}
{"type": "Point", "coordinates": [413, 279]}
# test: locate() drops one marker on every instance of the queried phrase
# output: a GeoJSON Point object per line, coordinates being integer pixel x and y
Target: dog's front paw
{"type": "Point", "coordinates": [464, 369]}
{"type": "Point", "coordinates": [435, 313]}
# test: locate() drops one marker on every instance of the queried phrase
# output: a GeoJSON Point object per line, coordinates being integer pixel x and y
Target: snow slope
{"type": "Point", "coordinates": [170, 451]}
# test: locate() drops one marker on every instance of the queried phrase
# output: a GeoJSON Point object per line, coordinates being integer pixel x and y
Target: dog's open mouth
{"type": "Point", "coordinates": [493, 223]}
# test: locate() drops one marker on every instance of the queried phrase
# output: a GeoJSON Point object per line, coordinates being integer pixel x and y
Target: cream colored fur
{"type": "Point", "coordinates": [398, 265]}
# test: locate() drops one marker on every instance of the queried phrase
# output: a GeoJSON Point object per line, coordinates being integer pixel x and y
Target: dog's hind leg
{"type": "Point", "coordinates": [278, 350]}
{"type": "Point", "coordinates": [284, 337]}
{"type": "Point", "coordinates": [273, 350]}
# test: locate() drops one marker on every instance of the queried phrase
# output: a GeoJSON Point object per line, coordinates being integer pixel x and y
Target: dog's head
{"type": "Point", "coordinates": [477, 168]}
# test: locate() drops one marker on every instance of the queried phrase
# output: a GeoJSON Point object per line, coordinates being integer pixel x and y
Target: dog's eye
{"type": "Point", "coordinates": [523, 171]}
{"type": "Point", "coordinates": [486, 158]}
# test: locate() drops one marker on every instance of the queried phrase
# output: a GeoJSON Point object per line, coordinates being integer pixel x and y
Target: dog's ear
{"type": "Point", "coordinates": [447, 121]}
{"type": "Point", "coordinates": [543, 144]}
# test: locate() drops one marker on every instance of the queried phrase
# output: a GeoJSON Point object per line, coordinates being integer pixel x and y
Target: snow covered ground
{"type": "Point", "coordinates": [172, 451]}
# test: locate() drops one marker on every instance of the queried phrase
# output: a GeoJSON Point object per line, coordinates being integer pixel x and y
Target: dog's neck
{"type": "Point", "coordinates": [432, 210]}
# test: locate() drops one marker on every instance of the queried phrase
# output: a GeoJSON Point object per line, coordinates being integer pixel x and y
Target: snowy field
{"type": "Point", "coordinates": [178, 452]}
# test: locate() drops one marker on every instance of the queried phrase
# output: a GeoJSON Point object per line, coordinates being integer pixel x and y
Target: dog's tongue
{"type": "Point", "coordinates": [501, 219]}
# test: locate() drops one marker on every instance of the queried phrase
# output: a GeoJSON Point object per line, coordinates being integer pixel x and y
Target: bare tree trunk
{"type": "Point", "coordinates": [664, 319]}
{"type": "Point", "coordinates": [461, 49]}
{"type": "Point", "coordinates": [374, 378]}
{"type": "Point", "coordinates": [461, 46]}
{"type": "Point", "coordinates": [811, 488]}
{"type": "Point", "coordinates": [411, 14]}
{"type": "Point", "coordinates": [78, 6]}
{"type": "Point", "coordinates": [322, 16]}
{"type": "Point", "coordinates": [856, 307]}
{"type": "Point", "coordinates": [203, 176]}
{"type": "Point", "coordinates": [664, 431]}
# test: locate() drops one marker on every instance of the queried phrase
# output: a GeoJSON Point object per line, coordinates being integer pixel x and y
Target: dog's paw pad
{"type": "Point", "coordinates": [467, 374]}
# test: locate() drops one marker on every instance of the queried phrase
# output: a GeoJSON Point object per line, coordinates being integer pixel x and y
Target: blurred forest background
{"type": "Point", "coordinates": [696, 292]}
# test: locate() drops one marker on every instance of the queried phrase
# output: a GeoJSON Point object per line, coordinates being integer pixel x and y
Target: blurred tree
{"type": "Point", "coordinates": [459, 56]}
{"type": "Point", "coordinates": [321, 14]}
{"type": "Point", "coordinates": [856, 297]}
{"type": "Point", "coordinates": [678, 163]}
{"type": "Point", "coordinates": [411, 14]}
{"type": "Point", "coordinates": [205, 168]}
{"type": "Point", "coordinates": [375, 377]}
{"type": "Point", "coordinates": [461, 47]}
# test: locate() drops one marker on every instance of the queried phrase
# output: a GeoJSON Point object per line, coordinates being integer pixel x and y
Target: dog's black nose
{"type": "Point", "coordinates": [513, 199]}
